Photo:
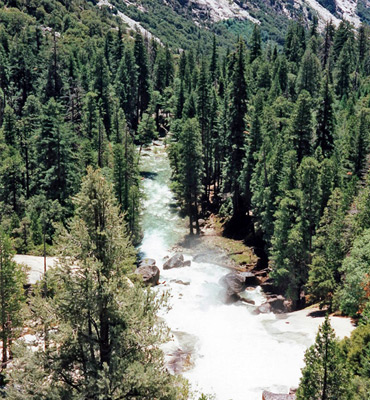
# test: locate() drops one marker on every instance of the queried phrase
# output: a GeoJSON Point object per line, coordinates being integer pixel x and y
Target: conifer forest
{"type": "Point", "coordinates": [264, 126]}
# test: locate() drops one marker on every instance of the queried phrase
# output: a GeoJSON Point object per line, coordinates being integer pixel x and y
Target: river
{"type": "Point", "coordinates": [228, 351]}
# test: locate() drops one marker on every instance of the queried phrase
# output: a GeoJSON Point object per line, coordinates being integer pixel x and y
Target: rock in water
{"type": "Point", "coordinates": [147, 262]}
{"type": "Point", "coordinates": [176, 261]}
{"type": "Point", "coordinates": [150, 274]}
{"type": "Point", "coordinates": [250, 278]}
{"type": "Point", "coordinates": [276, 304]}
{"type": "Point", "coordinates": [234, 283]}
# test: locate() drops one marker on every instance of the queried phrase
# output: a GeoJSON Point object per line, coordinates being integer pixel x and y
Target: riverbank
{"type": "Point", "coordinates": [237, 256]}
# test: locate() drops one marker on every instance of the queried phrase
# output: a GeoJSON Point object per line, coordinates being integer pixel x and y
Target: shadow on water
{"type": "Point", "coordinates": [317, 313]}
{"type": "Point", "coordinates": [148, 174]}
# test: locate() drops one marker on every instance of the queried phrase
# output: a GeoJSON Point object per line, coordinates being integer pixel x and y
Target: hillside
{"type": "Point", "coordinates": [195, 18]}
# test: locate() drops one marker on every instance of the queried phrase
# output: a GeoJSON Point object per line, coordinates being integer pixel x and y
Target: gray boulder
{"type": "Point", "coordinates": [250, 278]}
{"type": "Point", "coordinates": [276, 304]}
{"type": "Point", "coordinates": [149, 273]}
{"type": "Point", "coordinates": [176, 261]}
{"type": "Point", "coordinates": [234, 283]}
{"type": "Point", "coordinates": [147, 262]}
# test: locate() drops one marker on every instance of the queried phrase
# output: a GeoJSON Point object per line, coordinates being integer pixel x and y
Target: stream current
{"type": "Point", "coordinates": [226, 350]}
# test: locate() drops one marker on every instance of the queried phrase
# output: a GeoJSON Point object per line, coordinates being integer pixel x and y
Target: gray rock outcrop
{"type": "Point", "coordinates": [149, 273]}
{"type": "Point", "coordinates": [176, 261]}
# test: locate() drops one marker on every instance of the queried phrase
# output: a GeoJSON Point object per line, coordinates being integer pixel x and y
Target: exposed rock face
{"type": "Point", "coordinates": [176, 261]}
{"type": "Point", "coordinates": [250, 278]}
{"type": "Point", "coordinates": [234, 283]}
{"type": "Point", "coordinates": [273, 396]}
{"type": "Point", "coordinates": [150, 274]}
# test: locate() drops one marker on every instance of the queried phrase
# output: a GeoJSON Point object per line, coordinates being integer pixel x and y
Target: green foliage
{"type": "Point", "coordinates": [190, 169]}
{"type": "Point", "coordinates": [329, 250]}
{"type": "Point", "coordinates": [104, 326]}
{"type": "Point", "coordinates": [355, 292]}
{"type": "Point", "coordinates": [12, 299]}
{"type": "Point", "coordinates": [324, 375]}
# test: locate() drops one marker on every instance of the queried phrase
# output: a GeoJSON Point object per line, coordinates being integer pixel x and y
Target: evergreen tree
{"type": "Point", "coordinates": [12, 299]}
{"type": "Point", "coordinates": [203, 110]}
{"type": "Point", "coordinates": [213, 65]}
{"type": "Point", "coordinates": [327, 45]}
{"type": "Point", "coordinates": [309, 73]}
{"type": "Point", "coordinates": [255, 50]}
{"type": "Point", "coordinates": [236, 132]}
{"type": "Point", "coordinates": [190, 169]}
{"type": "Point", "coordinates": [329, 250]}
{"type": "Point", "coordinates": [104, 326]}
{"type": "Point", "coordinates": [28, 132]}
{"type": "Point", "coordinates": [325, 118]}
{"type": "Point", "coordinates": [324, 376]}
{"type": "Point", "coordinates": [102, 89]}
{"type": "Point", "coordinates": [302, 126]}
{"type": "Point", "coordinates": [54, 83]}
{"type": "Point", "coordinates": [308, 183]}
{"type": "Point", "coordinates": [343, 70]}
{"type": "Point", "coordinates": [141, 59]}
{"type": "Point", "coordinates": [57, 169]}
{"type": "Point", "coordinates": [10, 128]}
{"type": "Point", "coordinates": [126, 85]}
{"type": "Point", "coordinates": [354, 294]}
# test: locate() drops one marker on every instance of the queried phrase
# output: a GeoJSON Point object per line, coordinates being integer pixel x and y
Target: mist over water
{"type": "Point", "coordinates": [226, 350]}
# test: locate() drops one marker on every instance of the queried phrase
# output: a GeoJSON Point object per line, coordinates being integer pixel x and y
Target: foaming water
{"type": "Point", "coordinates": [230, 352]}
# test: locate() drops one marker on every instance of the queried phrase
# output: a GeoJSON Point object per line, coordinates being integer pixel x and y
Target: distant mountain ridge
{"type": "Point", "coordinates": [193, 19]}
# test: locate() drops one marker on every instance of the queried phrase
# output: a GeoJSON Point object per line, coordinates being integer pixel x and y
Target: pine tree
{"type": "Point", "coordinates": [12, 299]}
{"type": "Point", "coordinates": [57, 169]}
{"type": "Point", "coordinates": [329, 250]}
{"type": "Point", "coordinates": [102, 89]}
{"type": "Point", "coordinates": [325, 118]}
{"type": "Point", "coordinates": [354, 295]}
{"type": "Point", "coordinates": [10, 128]}
{"type": "Point", "coordinates": [236, 133]}
{"type": "Point", "coordinates": [324, 376]}
{"type": "Point", "coordinates": [203, 110]}
{"type": "Point", "coordinates": [126, 84]}
{"type": "Point", "coordinates": [310, 205]}
{"type": "Point", "coordinates": [327, 45]}
{"type": "Point", "coordinates": [191, 169]}
{"type": "Point", "coordinates": [255, 50]}
{"type": "Point", "coordinates": [28, 132]}
{"type": "Point", "coordinates": [309, 73]}
{"type": "Point", "coordinates": [343, 70]}
{"type": "Point", "coordinates": [54, 83]}
{"type": "Point", "coordinates": [302, 126]}
{"type": "Point", "coordinates": [106, 336]}
{"type": "Point", "coordinates": [141, 60]}
{"type": "Point", "coordinates": [213, 65]}
{"type": "Point", "coordinates": [126, 181]}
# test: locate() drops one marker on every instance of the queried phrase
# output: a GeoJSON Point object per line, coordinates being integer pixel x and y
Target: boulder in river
{"type": "Point", "coordinates": [234, 283]}
{"type": "Point", "coordinates": [276, 303]}
{"type": "Point", "coordinates": [150, 274]}
{"type": "Point", "coordinates": [176, 261]}
{"type": "Point", "coordinates": [147, 262]}
{"type": "Point", "coordinates": [274, 396]}
{"type": "Point", "coordinates": [250, 279]}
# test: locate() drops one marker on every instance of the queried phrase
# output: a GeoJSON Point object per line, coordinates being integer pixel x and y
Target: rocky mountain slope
{"type": "Point", "coordinates": [229, 18]}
